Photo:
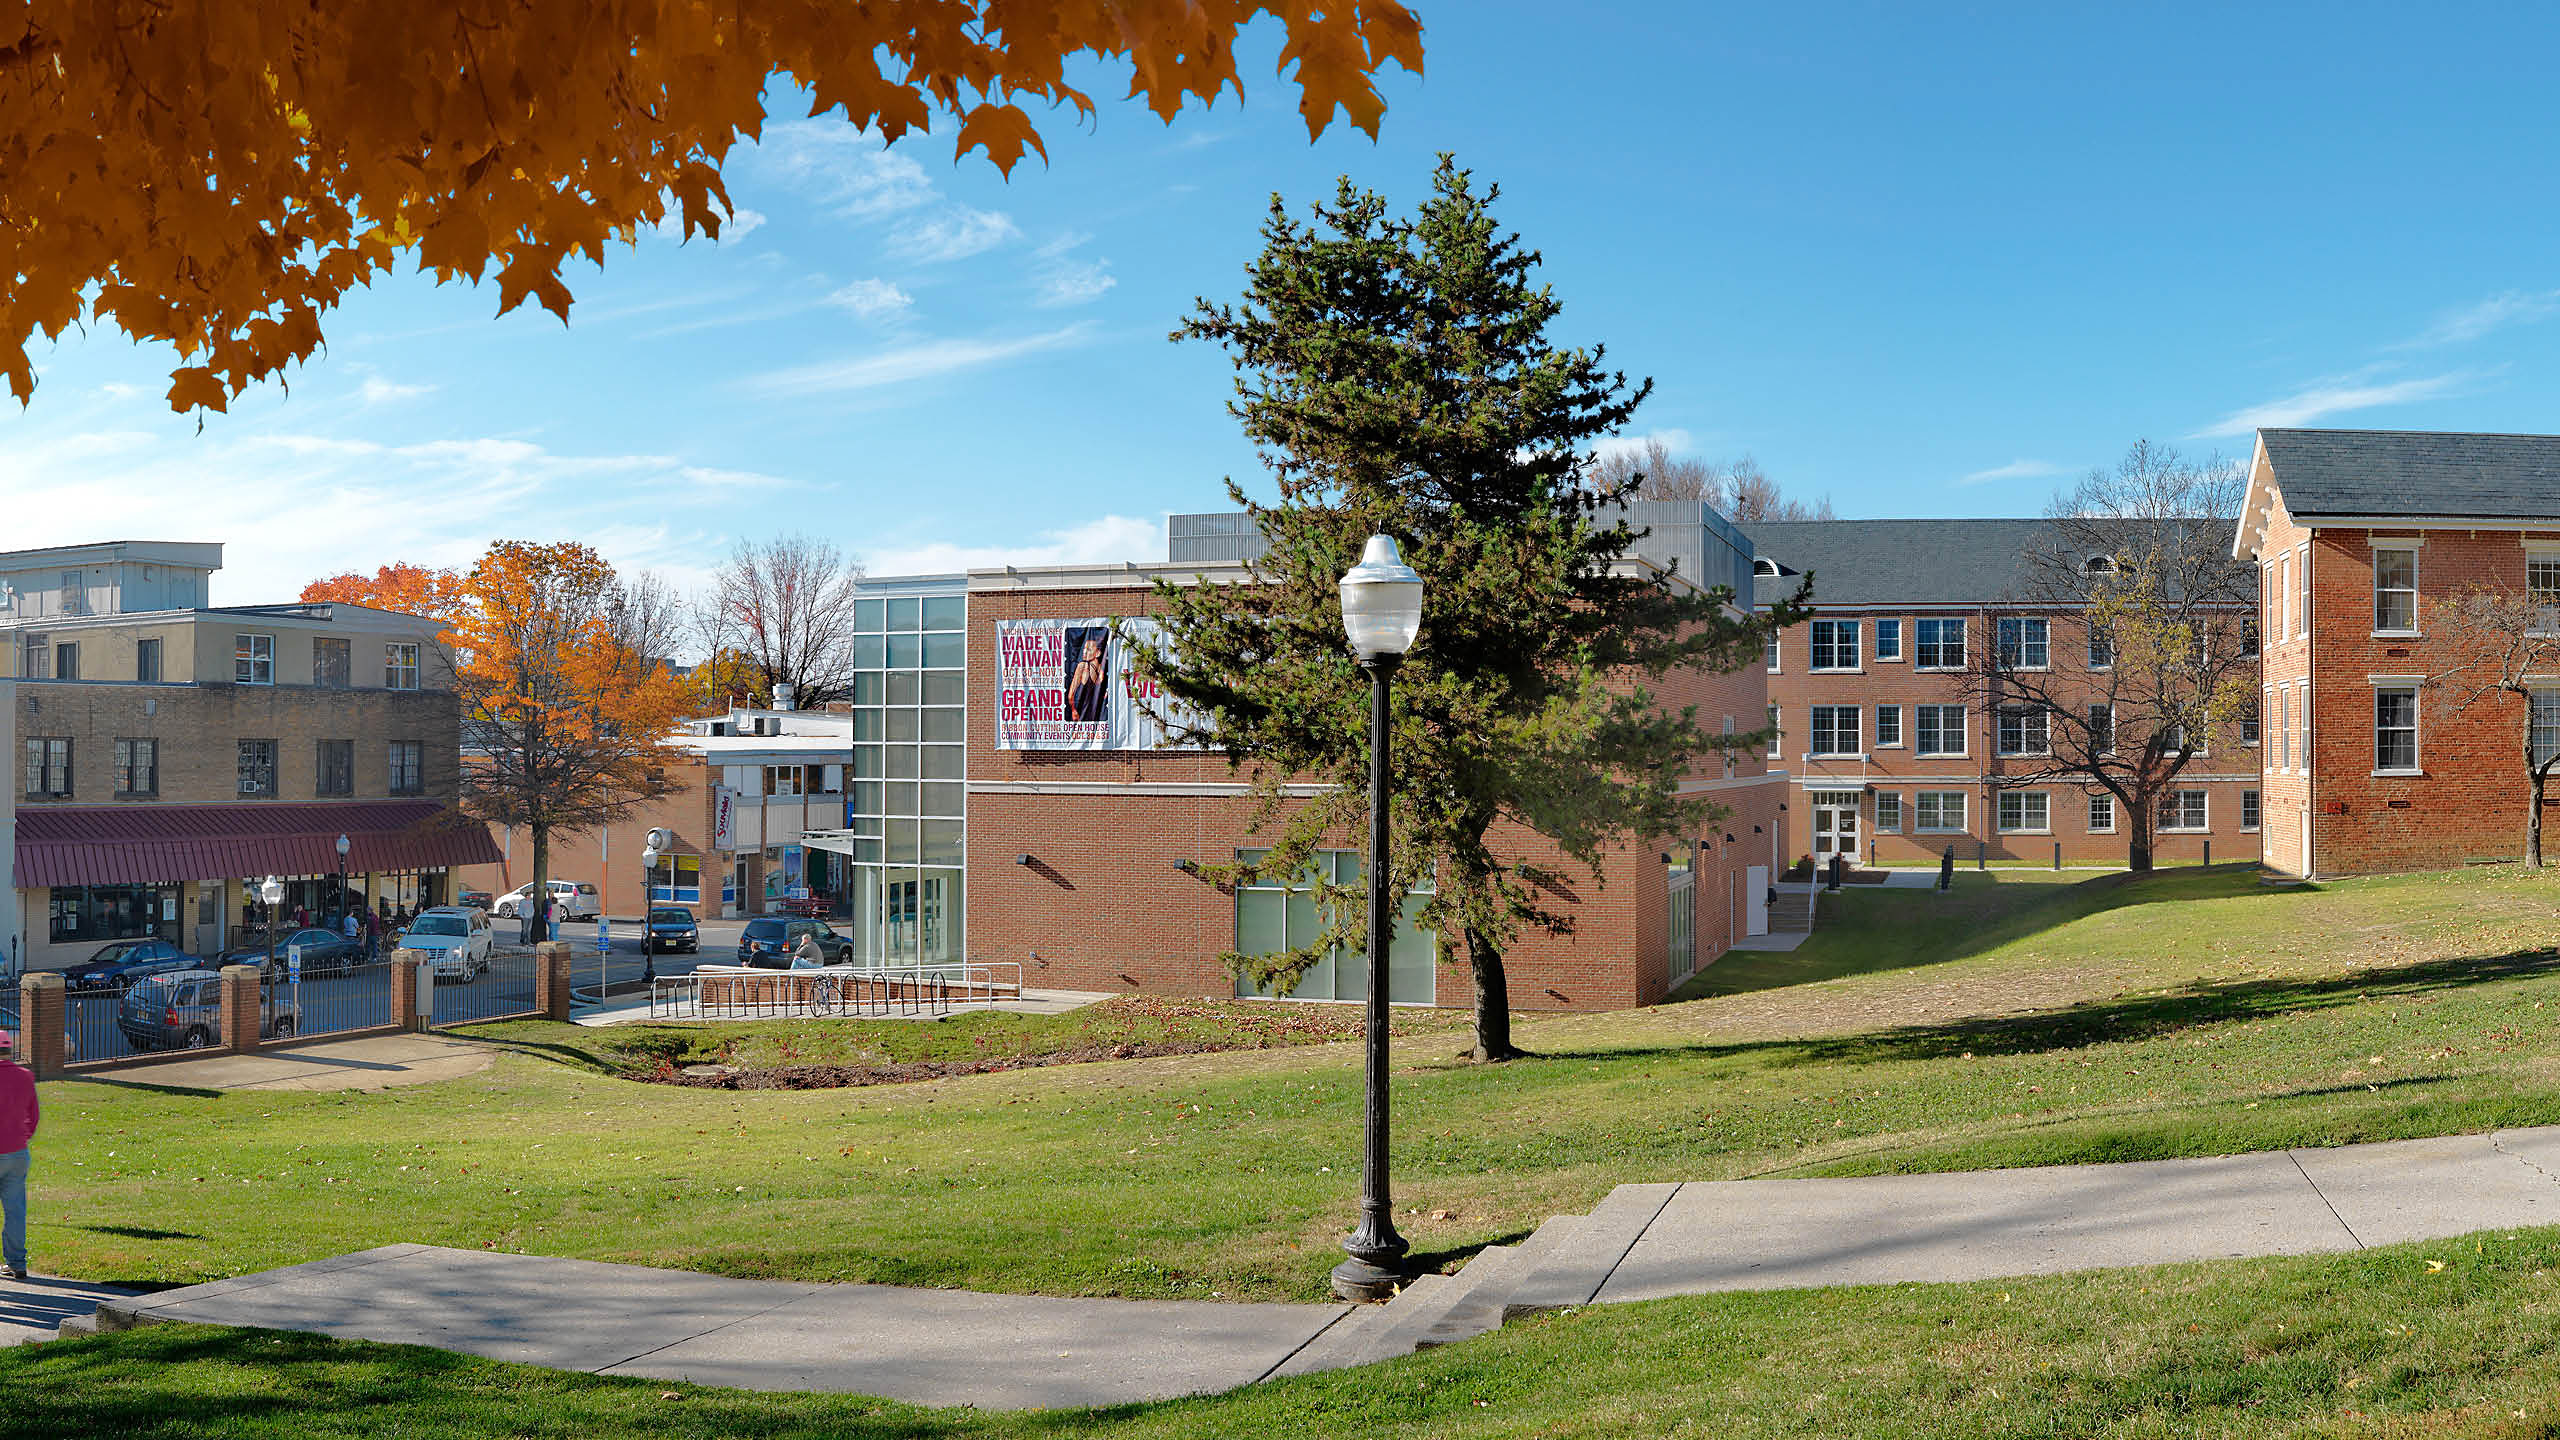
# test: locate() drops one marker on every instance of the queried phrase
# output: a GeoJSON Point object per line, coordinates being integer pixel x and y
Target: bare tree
{"type": "Point", "coordinates": [2129, 638]}
{"type": "Point", "coordinates": [1741, 491]}
{"type": "Point", "coordinates": [785, 606]}
{"type": "Point", "coordinates": [2505, 645]}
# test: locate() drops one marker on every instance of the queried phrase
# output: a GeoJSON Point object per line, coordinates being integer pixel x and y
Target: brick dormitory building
{"type": "Point", "coordinates": [1892, 762]}
{"type": "Point", "coordinates": [2372, 762]}
{"type": "Point", "coordinates": [170, 753]}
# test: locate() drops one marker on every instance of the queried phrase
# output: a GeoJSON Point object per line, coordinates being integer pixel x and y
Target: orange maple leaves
{"type": "Point", "coordinates": [409, 589]}
{"type": "Point", "coordinates": [218, 174]}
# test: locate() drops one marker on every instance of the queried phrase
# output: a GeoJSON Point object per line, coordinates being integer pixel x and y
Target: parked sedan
{"type": "Point", "coordinates": [672, 927]}
{"type": "Point", "coordinates": [769, 942]}
{"type": "Point", "coordinates": [183, 1011]}
{"type": "Point", "coordinates": [323, 951]}
{"type": "Point", "coordinates": [118, 965]}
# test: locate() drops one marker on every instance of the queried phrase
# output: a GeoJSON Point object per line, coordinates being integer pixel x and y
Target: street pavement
{"type": "Point", "coordinates": [941, 1347]}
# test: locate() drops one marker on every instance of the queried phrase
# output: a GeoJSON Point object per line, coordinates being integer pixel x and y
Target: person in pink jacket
{"type": "Point", "coordinates": [17, 1131]}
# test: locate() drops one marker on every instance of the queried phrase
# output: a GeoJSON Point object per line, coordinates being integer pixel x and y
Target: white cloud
{"type": "Point", "coordinates": [1109, 540]}
{"type": "Point", "coordinates": [742, 223]}
{"type": "Point", "coordinates": [955, 233]}
{"type": "Point", "coordinates": [1074, 282]}
{"type": "Point", "coordinates": [2335, 396]}
{"type": "Point", "coordinates": [2514, 307]}
{"type": "Point", "coordinates": [118, 390]}
{"type": "Point", "coordinates": [871, 298]}
{"type": "Point", "coordinates": [2014, 470]}
{"type": "Point", "coordinates": [853, 170]}
{"type": "Point", "coordinates": [376, 391]}
{"type": "Point", "coordinates": [909, 362]}
{"type": "Point", "coordinates": [1677, 441]}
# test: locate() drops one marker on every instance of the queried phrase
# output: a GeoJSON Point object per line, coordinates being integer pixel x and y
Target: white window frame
{"type": "Point", "coordinates": [1832, 631]}
{"type": "Point", "coordinates": [1777, 733]}
{"type": "Point", "coordinates": [2410, 549]}
{"type": "Point", "coordinates": [2178, 798]}
{"type": "Point", "coordinates": [400, 665]}
{"type": "Point", "coordinates": [1889, 627]}
{"type": "Point", "coordinates": [2543, 722]}
{"type": "Point", "coordinates": [2417, 741]}
{"type": "Point", "coordinates": [1921, 806]}
{"type": "Point", "coordinates": [2280, 700]}
{"type": "Point", "coordinates": [2280, 594]}
{"type": "Point", "coordinates": [1895, 712]}
{"type": "Point", "coordinates": [2302, 589]}
{"type": "Point", "coordinates": [1920, 730]}
{"type": "Point", "coordinates": [2109, 736]}
{"type": "Point", "coordinates": [2041, 646]}
{"type": "Point", "coordinates": [2251, 800]}
{"type": "Point", "coordinates": [1888, 819]}
{"type": "Point", "coordinates": [1827, 718]}
{"type": "Point", "coordinates": [2302, 727]}
{"type": "Point", "coordinates": [2545, 596]}
{"type": "Point", "coordinates": [2102, 648]}
{"type": "Point", "coordinates": [2026, 825]}
{"type": "Point", "coordinates": [1772, 652]}
{"type": "Point", "coordinates": [1920, 643]}
{"type": "Point", "coordinates": [2023, 714]}
{"type": "Point", "coordinates": [252, 654]}
{"type": "Point", "coordinates": [2108, 827]}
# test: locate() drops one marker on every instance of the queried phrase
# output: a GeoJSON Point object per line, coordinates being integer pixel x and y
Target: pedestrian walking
{"type": "Point", "coordinates": [372, 937]}
{"type": "Point", "coordinates": [17, 1132]}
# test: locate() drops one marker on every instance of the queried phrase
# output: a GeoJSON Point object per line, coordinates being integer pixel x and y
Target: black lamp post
{"type": "Point", "coordinates": [659, 841]}
{"type": "Point", "coordinates": [1381, 613]}
{"type": "Point", "coordinates": [339, 900]}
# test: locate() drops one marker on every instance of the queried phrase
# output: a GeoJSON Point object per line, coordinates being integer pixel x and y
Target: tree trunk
{"type": "Point", "coordinates": [1493, 1002]}
{"type": "Point", "coordinates": [541, 896]}
{"type": "Point", "coordinates": [2533, 823]}
{"type": "Point", "coordinates": [2138, 852]}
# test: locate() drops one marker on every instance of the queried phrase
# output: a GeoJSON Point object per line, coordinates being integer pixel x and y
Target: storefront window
{"type": "Point", "coordinates": [114, 912]}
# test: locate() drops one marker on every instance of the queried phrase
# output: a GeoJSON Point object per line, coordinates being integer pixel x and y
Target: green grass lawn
{"type": "Point", "coordinates": [2458, 1340]}
{"type": "Point", "coordinates": [2029, 1022]}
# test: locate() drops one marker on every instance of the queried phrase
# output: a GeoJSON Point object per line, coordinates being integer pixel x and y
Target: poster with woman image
{"type": "Point", "coordinates": [1069, 685]}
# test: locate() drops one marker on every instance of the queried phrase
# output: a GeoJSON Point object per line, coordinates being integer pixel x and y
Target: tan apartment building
{"type": "Point", "coordinates": [169, 757]}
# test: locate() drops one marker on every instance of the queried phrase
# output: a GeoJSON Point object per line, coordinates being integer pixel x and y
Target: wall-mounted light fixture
{"type": "Point", "coordinates": [1021, 859]}
{"type": "Point", "coordinates": [1755, 829]}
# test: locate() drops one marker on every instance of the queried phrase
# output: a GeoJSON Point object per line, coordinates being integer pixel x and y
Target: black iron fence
{"type": "Point", "coordinates": [505, 987]}
{"type": "Point", "coordinates": [329, 1002]}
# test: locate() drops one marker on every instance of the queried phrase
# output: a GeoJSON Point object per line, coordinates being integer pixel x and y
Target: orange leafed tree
{"type": "Point", "coordinates": [218, 174]}
{"type": "Point", "coordinates": [565, 702]}
{"type": "Point", "coordinates": [409, 589]}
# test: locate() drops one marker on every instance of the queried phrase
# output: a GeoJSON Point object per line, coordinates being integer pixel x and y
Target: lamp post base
{"type": "Point", "coordinates": [1360, 1280]}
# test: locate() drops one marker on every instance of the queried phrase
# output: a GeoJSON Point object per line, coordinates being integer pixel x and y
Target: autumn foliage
{"type": "Point", "coordinates": [409, 589]}
{"type": "Point", "coordinates": [218, 174]}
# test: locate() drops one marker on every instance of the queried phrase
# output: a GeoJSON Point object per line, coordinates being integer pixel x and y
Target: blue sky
{"type": "Point", "coordinates": [1923, 263]}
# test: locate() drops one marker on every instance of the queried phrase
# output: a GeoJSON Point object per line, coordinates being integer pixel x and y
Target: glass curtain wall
{"type": "Point", "coordinates": [1272, 917]}
{"type": "Point", "coordinates": [903, 802]}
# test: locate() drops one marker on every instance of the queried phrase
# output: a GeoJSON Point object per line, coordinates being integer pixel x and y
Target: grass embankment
{"type": "Point", "coordinates": [1119, 1028]}
{"type": "Point", "coordinates": [2372, 1344]}
{"type": "Point", "coordinates": [2051, 1024]}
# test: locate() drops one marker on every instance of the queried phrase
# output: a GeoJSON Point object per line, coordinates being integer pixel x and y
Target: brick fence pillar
{"type": "Point", "coordinates": [241, 1001]}
{"type": "Point", "coordinates": [405, 1010]}
{"type": "Point", "coordinates": [551, 979]}
{"type": "Point", "coordinates": [41, 1015]}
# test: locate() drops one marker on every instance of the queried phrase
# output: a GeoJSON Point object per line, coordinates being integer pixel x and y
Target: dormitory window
{"type": "Point", "coordinates": [400, 666]}
{"type": "Point", "coordinates": [2183, 810]}
{"type": "Point", "coordinates": [2248, 809]}
{"type": "Point", "coordinates": [2023, 731]}
{"type": "Point", "coordinates": [408, 768]}
{"type": "Point", "coordinates": [2102, 648]}
{"type": "Point", "coordinates": [1835, 730]}
{"type": "Point", "coordinates": [2025, 811]}
{"type": "Point", "coordinates": [1888, 812]}
{"type": "Point", "coordinates": [66, 661]}
{"type": "Point", "coordinates": [2284, 729]}
{"type": "Point", "coordinates": [253, 659]}
{"type": "Point", "coordinates": [48, 767]}
{"type": "Point", "coordinates": [2102, 814]}
{"type": "Point", "coordinates": [2302, 590]}
{"type": "Point", "coordinates": [2024, 643]}
{"type": "Point", "coordinates": [257, 767]}
{"type": "Point", "coordinates": [2248, 729]}
{"type": "Point", "coordinates": [1835, 644]}
{"type": "Point", "coordinates": [1941, 645]}
{"type": "Point", "coordinates": [2542, 580]}
{"type": "Point", "coordinates": [1938, 811]}
{"type": "Point", "coordinates": [2102, 729]}
{"type": "Point", "coordinates": [146, 661]}
{"type": "Point", "coordinates": [1941, 728]}
{"type": "Point", "coordinates": [2395, 729]}
{"type": "Point", "coordinates": [137, 767]}
{"type": "Point", "coordinates": [38, 655]}
{"type": "Point", "coordinates": [330, 662]}
{"type": "Point", "coordinates": [2395, 591]}
{"type": "Point", "coordinates": [1888, 639]}
{"type": "Point", "coordinates": [1888, 727]}
{"type": "Point", "coordinates": [2546, 725]}
{"type": "Point", "coordinates": [1776, 735]}
{"type": "Point", "coordinates": [337, 767]}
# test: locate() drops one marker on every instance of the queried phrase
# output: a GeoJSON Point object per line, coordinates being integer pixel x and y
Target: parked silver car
{"type": "Point", "coordinates": [184, 1012]}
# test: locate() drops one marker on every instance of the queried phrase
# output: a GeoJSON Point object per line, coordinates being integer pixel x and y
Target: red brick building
{"type": "Point", "coordinates": [1079, 860]}
{"type": "Point", "coordinates": [1892, 760]}
{"type": "Point", "coordinates": [2358, 535]}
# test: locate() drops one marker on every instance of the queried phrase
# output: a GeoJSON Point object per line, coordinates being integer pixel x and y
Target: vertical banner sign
{"type": "Point", "coordinates": [1069, 685]}
{"type": "Point", "coordinates": [724, 818]}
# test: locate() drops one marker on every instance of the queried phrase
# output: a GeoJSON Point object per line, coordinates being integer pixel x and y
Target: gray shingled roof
{"type": "Point", "coordinates": [2415, 473]}
{"type": "Point", "coordinates": [1857, 563]}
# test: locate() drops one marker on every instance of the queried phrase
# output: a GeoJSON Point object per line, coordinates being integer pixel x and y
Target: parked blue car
{"type": "Point", "coordinates": [117, 966]}
{"type": "Point", "coordinates": [672, 927]}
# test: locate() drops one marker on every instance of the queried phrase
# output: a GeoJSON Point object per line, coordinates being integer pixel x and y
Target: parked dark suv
{"type": "Point", "coordinates": [184, 1012]}
{"type": "Point", "coordinates": [770, 940]}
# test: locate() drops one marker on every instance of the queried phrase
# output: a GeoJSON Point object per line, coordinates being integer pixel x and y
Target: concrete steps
{"type": "Point", "coordinates": [1572, 1273]}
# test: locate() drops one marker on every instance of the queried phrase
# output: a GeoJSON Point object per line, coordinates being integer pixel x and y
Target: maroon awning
{"type": "Point", "coordinates": [160, 844]}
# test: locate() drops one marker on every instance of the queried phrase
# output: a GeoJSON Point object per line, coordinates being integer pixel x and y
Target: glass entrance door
{"type": "Point", "coordinates": [1835, 828]}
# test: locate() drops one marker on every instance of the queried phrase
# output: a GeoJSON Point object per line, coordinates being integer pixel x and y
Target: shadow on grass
{"type": "Point", "coordinates": [138, 1232]}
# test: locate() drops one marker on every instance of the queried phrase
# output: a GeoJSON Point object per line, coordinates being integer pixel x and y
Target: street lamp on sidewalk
{"type": "Point", "coordinates": [1381, 613]}
{"type": "Point", "coordinates": [271, 895]}
{"type": "Point", "coordinates": [658, 840]}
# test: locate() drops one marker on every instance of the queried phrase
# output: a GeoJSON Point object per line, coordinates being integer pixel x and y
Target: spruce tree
{"type": "Point", "coordinates": [1397, 377]}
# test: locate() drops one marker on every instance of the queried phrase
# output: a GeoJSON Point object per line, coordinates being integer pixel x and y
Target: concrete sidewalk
{"type": "Point", "coordinates": [928, 1347]}
{"type": "Point", "coordinates": [36, 1308]}
{"type": "Point", "coordinates": [948, 1347]}
{"type": "Point", "coordinates": [372, 1062]}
